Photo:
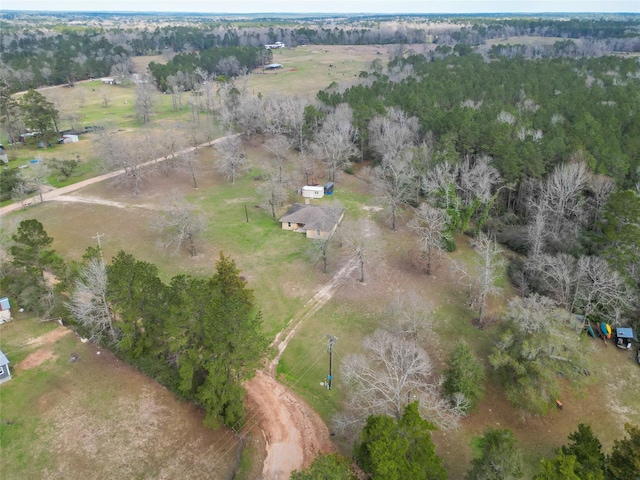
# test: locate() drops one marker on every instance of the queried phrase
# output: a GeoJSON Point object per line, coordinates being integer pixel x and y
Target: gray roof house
{"type": "Point", "coordinates": [5, 374]}
{"type": "Point", "coordinates": [316, 221]}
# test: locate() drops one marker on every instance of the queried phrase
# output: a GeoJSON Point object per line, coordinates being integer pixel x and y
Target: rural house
{"type": "Point", "coordinates": [317, 221]}
{"type": "Point", "coordinates": [5, 374]}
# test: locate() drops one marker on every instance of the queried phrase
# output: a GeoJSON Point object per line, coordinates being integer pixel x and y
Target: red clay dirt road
{"type": "Point", "coordinates": [293, 432]}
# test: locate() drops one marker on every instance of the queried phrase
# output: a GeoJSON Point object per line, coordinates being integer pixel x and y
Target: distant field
{"type": "Point", "coordinates": [529, 40]}
{"type": "Point", "coordinates": [308, 69]}
{"type": "Point", "coordinates": [140, 64]}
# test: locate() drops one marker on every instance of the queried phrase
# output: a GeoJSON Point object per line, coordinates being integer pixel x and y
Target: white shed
{"type": "Point", "coordinates": [309, 191]}
{"type": "Point", "coordinates": [70, 138]}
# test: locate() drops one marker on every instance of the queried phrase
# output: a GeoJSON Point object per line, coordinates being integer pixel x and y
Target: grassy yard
{"type": "Point", "coordinates": [94, 417]}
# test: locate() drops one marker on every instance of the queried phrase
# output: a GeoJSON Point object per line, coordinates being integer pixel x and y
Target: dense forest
{"type": "Point", "coordinates": [528, 115]}
{"type": "Point", "coordinates": [50, 55]}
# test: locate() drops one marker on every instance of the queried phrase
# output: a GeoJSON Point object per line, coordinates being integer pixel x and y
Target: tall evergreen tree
{"type": "Point", "coordinates": [500, 458]}
{"type": "Point", "coordinates": [399, 450]}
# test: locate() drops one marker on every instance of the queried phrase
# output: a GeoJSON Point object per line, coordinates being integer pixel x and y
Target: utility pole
{"type": "Point", "coordinates": [98, 235]}
{"type": "Point", "coordinates": [331, 341]}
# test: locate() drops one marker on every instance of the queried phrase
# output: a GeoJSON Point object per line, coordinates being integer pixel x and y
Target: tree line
{"type": "Point", "coordinates": [51, 55]}
{"type": "Point", "coordinates": [395, 449]}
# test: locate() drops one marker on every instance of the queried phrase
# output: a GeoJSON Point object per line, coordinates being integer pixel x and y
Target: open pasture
{"type": "Point", "coordinates": [95, 416]}
{"type": "Point", "coordinates": [308, 69]}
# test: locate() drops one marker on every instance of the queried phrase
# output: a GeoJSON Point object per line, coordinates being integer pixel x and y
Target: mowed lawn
{"type": "Point", "coordinates": [95, 417]}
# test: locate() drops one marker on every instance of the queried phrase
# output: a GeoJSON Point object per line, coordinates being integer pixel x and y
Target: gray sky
{"type": "Point", "coordinates": [333, 6]}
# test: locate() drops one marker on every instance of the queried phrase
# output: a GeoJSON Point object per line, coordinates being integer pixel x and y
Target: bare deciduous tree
{"type": "Point", "coordinates": [561, 201]}
{"type": "Point", "coordinates": [20, 192]}
{"type": "Point", "coordinates": [585, 285]}
{"type": "Point", "coordinates": [536, 233]}
{"type": "Point", "coordinates": [35, 177]}
{"type": "Point", "coordinates": [429, 223]}
{"type": "Point", "coordinates": [124, 153]}
{"type": "Point", "coordinates": [390, 135]}
{"type": "Point", "coordinates": [384, 378]}
{"type": "Point", "coordinates": [182, 224]}
{"type": "Point", "coordinates": [279, 147]}
{"type": "Point", "coordinates": [334, 143]}
{"type": "Point", "coordinates": [274, 191]}
{"type": "Point", "coordinates": [250, 117]}
{"type": "Point", "coordinates": [476, 179]}
{"type": "Point", "coordinates": [359, 243]}
{"type": "Point", "coordinates": [145, 99]}
{"type": "Point", "coordinates": [232, 161]}
{"type": "Point", "coordinates": [394, 182]}
{"type": "Point", "coordinates": [229, 66]}
{"type": "Point", "coordinates": [490, 260]}
{"type": "Point", "coordinates": [599, 187]}
{"type": "Point", "coordinates": [189, 162]}
{"type": "Point", "coordinates": [88, 304]}
{"type": "Point", "coordinates": [105, 96]}
{"type": "Point", "coordinates": [393, 371]}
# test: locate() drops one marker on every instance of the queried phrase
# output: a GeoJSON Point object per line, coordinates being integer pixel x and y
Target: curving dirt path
{"type": "Point", "coordinates": [293, 432]}
{"type": "Point", "coordinates": [57, 192]}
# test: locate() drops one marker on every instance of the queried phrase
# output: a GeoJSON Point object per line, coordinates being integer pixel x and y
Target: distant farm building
{"type": "Point", "coordinates": [273, 66]}
{"type": "Point", "coordinates": [5, 374]}
{"type": "Point", "coordinates": [108, 81]}
{"type": "Point", "coordinates": [69, 138]}
{"type": "Point", "coordinates": [270, 46]}
{"type": "Point", "coordinates": [316, 221]}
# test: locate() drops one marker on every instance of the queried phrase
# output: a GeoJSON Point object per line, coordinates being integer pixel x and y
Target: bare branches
{"type": "Point", "coordinates": [586, 284]}
{"type": "Point", "coordinates": [394, 182]}
{"type": "Point", "coordinates": [360, 244]}
{"type": "Point", "coordinates": [392, 372]}
{"type": "Point", "coordinates": [145, 99]}
{"type": "Point", "coordinates": [387, 374]}
{"type": "Point", "coordinates": [181, 224]}
{"type": "Point", "coordinates": [429, 223]}
{"type": "Point", "coordinates": [392, 134]}
{"type": "Point", "coordinates": [490, 259]}
{"type": "Point", "coordinates": [334, 143]}
{"type": "Point", "coordinates": [232, 161]}
{"type": "Point", "coordinates": [89, 305]}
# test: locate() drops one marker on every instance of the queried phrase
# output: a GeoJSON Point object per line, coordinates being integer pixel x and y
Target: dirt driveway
{"type": "Point", "coordinates": [294, 434]}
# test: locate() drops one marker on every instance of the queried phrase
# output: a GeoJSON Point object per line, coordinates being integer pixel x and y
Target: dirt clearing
{"type": "Point", "coordinates": [97, 417]}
